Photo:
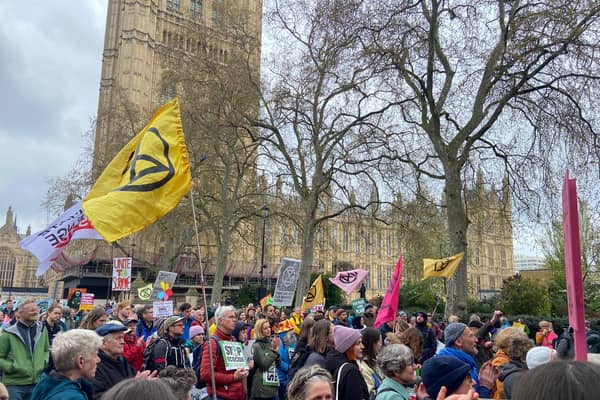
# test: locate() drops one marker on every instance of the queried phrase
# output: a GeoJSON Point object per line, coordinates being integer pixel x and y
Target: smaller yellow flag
{"type": "Point", "coordinates": [315, 295]}
{"type": "Point", "coordinates": [441, 268]}
{"type": "Point", "coordinates": [145, 292]}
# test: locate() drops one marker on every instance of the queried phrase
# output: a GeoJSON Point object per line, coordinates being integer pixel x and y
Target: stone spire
{"type": "Point", "coordinates": [9, 217]}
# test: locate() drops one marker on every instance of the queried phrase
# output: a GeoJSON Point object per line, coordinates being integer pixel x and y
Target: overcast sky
{"type": "Point", "coordinates": [51, 56]}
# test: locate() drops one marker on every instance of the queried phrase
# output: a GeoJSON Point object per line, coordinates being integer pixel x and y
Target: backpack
{"type": "Point", "coordinates": [199, 382]}
{"type": "Point", "coordinates": [148, 363]}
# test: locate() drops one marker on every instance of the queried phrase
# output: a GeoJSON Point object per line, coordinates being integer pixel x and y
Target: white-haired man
{"type": "Point", "coordinates": [75, 355]}
{"type": "Point", "coordinates": [229, 384]}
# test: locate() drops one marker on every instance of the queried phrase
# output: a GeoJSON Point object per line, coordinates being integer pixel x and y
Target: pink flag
{"type": "Point", "coordinates": [47, 245]}
{"type": "Point", "coordinates": [573, 267]}
{"type": "Point", "coordinates": [349, 281]}
{"type": "Point", "coordinates": [389, 305]}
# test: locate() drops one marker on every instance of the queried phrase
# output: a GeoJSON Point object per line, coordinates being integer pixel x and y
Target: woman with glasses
{"type": "Point", "coordinates": [397, 364]}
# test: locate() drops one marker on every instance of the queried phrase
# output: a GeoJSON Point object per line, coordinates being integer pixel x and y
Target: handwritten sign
{"type": "Point", "coordinates": [358, 305]}
{"type": "Point", "coordinates": [87, 302]}
{"type": "Point", "coordinates": [233, 355]}
{"type": "Point", "coordinates": [121, 277]}
{"type": "Point", "coordinates": [162, 309]}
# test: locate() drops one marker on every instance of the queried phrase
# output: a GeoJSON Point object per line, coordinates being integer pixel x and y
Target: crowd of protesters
{"type": "Point", "coordinates": [124, 352]}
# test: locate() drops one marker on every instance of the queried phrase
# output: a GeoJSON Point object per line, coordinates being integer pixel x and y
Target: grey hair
{"type": "Point", "coordinates": [394, 358]}
{"type": "Point", "coordinates": [25, 302]}
{"type": "Point", "coordinates": [302, 380]}
{"type": "Point", "coordinates": [69, 345]}
{"type": "Point", "coordinates": [220, 313]}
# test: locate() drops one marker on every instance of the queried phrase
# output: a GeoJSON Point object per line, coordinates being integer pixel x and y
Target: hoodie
{"type": "Point", "coordinates": [57, 387]}
{"type": "Point", "coordinates": [510, 374]}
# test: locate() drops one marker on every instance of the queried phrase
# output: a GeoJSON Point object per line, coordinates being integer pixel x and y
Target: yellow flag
{"type": "Point", "coordinates": [144, 181]}
{"type": "Point", "coordinates": [315, 295]}
{"type": "Point", "coordinates": [145, 292]}
{"type": "Point", "coordinates": [443, 268]}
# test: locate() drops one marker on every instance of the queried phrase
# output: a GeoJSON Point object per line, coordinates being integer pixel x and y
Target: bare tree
{"type": "Point", "coordinates": [505, 84]}
{"type": "Point", "coordinates": [318, 97]}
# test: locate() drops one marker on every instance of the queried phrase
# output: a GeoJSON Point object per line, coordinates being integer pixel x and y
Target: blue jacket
{"type": "Point", "coordinates": [187, 324]}
{"type": "Point", "coordinates": [56, 387]}
{"type": "Point", "coordinates": [284, 354]}
{"type": "Point", "coordinates": [141, 330]}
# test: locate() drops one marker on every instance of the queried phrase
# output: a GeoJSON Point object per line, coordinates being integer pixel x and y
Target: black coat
{"type": "Point", "coordinates": [110, 372]}
{"type": "Point", "coordinates": [352, 385]}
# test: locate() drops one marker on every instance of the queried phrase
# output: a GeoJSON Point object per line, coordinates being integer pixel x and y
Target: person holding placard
{"type": "Point", "coordinates": [230, 369]}
{"type": "Point", "coordinates": [265, 352]}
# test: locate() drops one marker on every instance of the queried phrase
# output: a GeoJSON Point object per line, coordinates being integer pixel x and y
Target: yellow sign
{"type": "Point", "coordinates": [145, 292]}
{"type": "Point", "coordinates": [315, 295]}
{"type": "Point", "coordinates": [443, 268]}
{"type": "Point", "coordinates": [144, 181]}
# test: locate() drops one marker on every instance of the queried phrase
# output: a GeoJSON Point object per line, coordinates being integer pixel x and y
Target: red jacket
{"type": "Point", "coordinates": [226, 387]}
{"type": "Point", "coordinates": [132, 353]}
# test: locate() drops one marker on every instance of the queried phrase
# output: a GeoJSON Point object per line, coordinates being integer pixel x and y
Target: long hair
{"type": "Point", "coordinates": [370, 338]}
{"type": "Point", "coordinates": [258, 327]}
{"type": "Point", "coordinates": [91, 318]}
{"type": "Point", "coordinates": [320, 335]}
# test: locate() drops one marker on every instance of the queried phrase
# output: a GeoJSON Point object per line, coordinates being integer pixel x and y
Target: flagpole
{"type": "Point", "coordinates": [203, 286]}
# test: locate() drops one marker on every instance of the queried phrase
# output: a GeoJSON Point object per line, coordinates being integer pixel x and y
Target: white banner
{"type": "Point", "coordinates": [47, 245]}
{"type": "Point", "coordinates": [121, 277]}
{"type": "Point", "coordinates": [162, 309]}
{"type": "Point", "coordinates": [287, 278]}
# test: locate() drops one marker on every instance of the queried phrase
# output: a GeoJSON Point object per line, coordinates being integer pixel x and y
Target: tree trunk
{"type": "Point", "coordinates": [456, 290]}
{"type": "Point", "coordinates": [221, 265]}
{"type": "Point", "coordinates": [308, 237]}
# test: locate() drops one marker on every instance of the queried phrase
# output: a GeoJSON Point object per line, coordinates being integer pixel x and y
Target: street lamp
{"type": "Point", "coordinates": [261, 289]}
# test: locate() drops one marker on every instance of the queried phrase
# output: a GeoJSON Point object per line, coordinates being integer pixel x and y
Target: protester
{"type": "Point", "coordinates": [444, 371]}
{"type": "Point", "coordinates": [341, 317]}
{"type": "Point", "coordinates": [94, 319]}
{"type": "Point", "coordinates": [349, 383]}
{"type": "Point", "coordinates": [145, 326]}
{"type": "Point", "coordinates": [75, 355]}
{"type": "Point", "coordinates": [312, 383]}
{"type": "Point", "coordinates": [565, 349]}
{"type": "Point", "coordinates": [113, 368]}
{"type": "Point", "coordinates": [24, 352]}
{"type": "Point", "coordinates": [371, 340]}
{"type": "Point", "coordinates": [265, 353]}
{"type": "Point", "coordinates": [302, 350]}
{"type": "Point", "coordinates": [397, 364]}
{"type": "Point", "coordinates": [545, 336]}
{"type": "Point", "coordinates": [229, 385]}
{"type": "Point", "coordinates": [461, 343]}
{"type": "Point", "coordinates": [140, 389]}
{"type": "Point", "coordinates": [169, 348]}
{"type": "Point", "coordinates": [53, 322]}
{"type": "Point", "coordinates": [193, 346]}
{"type": "Point", "coordinates": [320, 340]}
{"type": "Point", "coordinates": [565, 380]}
{"type": "Point", "coordinates": [515, 344]}
{"type": "Point", "coordinates": [287, 347]}
{"type": "Point", "coordinates": [413, 338]}
{"type": "Point", "coordinates": [133, 350]}
{"type": "Point", "coordinates": [180, 380]}
{"type": "Point", "coordinates": [369, 315]}
{"type": "Point", "coordinates": [185, 312]}
{"type": "Point", "coordinates": [429, 340]}
{"type": "Point", "coordinates": [123, 312]}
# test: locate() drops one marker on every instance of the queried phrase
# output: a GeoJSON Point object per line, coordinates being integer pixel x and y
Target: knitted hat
{"type": "Point", "coordinates": [453, 332]}
{"type": "Point", "coordinates": [441, 371]}
{"type": "Point", "coordinates": [196, 330]}
{"type": "Point", "coordinates": [539, 355]}
{"type": "Point", "coordinates": [339, 312]}
{"type": "Point", "coordinates": [345, 338]}
{"type": "Point", "coordinates": [210, 313]}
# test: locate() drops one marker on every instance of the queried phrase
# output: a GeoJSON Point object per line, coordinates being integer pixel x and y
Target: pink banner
{"type": "Point", "coordinates": [349, 281]}
{"type": "Point", "coordinates": [389, 305]}
{"type": "Point", "coordinates": [573, 267]}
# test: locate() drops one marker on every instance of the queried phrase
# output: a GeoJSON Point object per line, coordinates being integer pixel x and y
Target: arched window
{"type": "Point", "coordinates": [7, 266]}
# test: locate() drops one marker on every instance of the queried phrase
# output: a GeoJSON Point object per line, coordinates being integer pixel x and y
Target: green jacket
{"type": "Point", "coordinates": [264, 359]}
{"type": "Point", "coordinates": [18, 364]}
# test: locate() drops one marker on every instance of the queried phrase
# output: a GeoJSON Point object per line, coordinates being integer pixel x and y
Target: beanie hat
{"type": "Point", "coordinates": [539, 355]}
{"type": "Point", "coordinates": [196, 330]}
{"type": "Point", "coordinates": [453, 332]}
{"type": "Point", "coordinates": [441, 371]}
{"type": "Point", "coordinates": [339, 312]}
{"type": "Point", "coordinates": [210, 314]}
{"type": "Point", "coordinates": [345, 338]}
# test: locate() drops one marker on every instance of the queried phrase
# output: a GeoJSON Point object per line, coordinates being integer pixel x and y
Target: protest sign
{"type": "Point", "coordinates": [358, 305]}
{"type": "Point", "coordinates": [87, 302]}
{"type": "Point", "coordinates": [287, 279]}
{"type": "Point", "coordinates": [121, 276]}
{"type": "Point", "coordinates": [162, 309]}
{"type": "Point", "coordinates": [233, 355]}
{"type": "Point", "coordinates": [161, 290]}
